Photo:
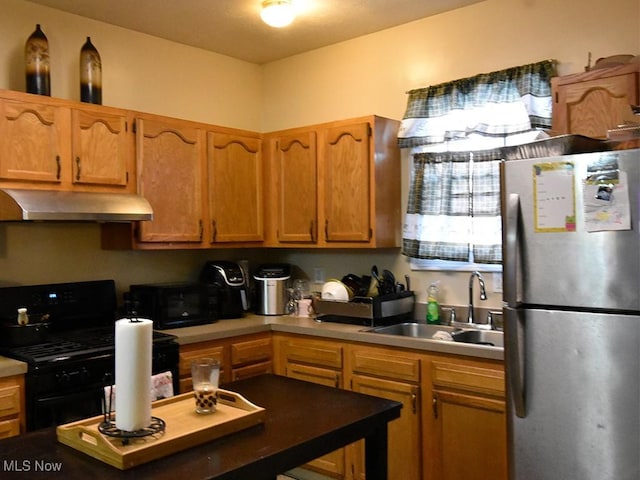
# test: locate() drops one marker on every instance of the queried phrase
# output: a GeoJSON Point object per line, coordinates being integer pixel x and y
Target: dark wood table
{"type": "Point", "coordinates": [303, 421]}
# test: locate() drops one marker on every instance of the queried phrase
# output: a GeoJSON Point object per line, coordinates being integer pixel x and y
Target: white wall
{"type": "Point", "coordinates": [370, 75]}
{"type": "Point", "coordinates": [139, 72]}
{"type": "Point", "coordinates": [367, 75]}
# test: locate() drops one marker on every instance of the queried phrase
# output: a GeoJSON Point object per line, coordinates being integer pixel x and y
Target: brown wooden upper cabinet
{"type": "Point", "coordinates": [294, 187]}
{"type": "Point", "coordinates": [170, 160]}
{"type": "Point", "coordinates": [235, 187]}
{"type": "Point", "coordinates": [593, 102]}
{"type": "Point", "coordinates": [204, 185]}
{"type": "Point", "coordinates": [58, 144]}
{"type": "Point", "coordinates": [334, 185]}
{"type": "Point", "coordinates": [101, 147]}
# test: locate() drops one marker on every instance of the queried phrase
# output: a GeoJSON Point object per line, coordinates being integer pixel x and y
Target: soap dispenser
{"type": "Point", "coordinates": [433, 309]}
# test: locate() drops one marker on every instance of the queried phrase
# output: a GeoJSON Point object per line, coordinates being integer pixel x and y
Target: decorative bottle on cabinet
{"type": "Point", "coordinates": [36, 57]}
{"type": "Point", "coordinates": [90, 74]}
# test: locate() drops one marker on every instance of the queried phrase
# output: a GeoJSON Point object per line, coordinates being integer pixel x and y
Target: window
{"type": "Point", "coordinates": [455, 131]}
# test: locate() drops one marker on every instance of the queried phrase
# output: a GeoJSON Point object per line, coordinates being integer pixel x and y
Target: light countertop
{"type": "Point", "coordinates": [308, 326]}
{"type": "Point", "coordinates": [10, 367]}
{"type": "Point", "coordinates": [301, 326]}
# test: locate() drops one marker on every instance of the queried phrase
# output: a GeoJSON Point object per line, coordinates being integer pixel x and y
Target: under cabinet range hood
{"type": "Point", "coordinates": [19, 204]}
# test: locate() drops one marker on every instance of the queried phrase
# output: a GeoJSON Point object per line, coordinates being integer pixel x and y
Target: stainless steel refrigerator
{"type": "Point", "coordinates": [571, 240]}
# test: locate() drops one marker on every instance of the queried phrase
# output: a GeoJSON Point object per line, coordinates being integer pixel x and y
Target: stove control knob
{"type": "Point", "coordinates": [63, 378]}
{"type": "Point", "coordinates": [85, 376]}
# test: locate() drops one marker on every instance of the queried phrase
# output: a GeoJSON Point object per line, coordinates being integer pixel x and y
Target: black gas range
{"type": "Point", "coordinates": [69, 347]}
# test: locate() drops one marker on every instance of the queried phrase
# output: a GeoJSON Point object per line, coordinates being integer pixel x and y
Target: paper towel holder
{"type": "Point", "coordinates": [108, 425]}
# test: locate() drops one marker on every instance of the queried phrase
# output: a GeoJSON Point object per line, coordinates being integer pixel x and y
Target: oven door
{"type": "Point", "coordinates": [76, 390]}
{"type": "Point", "coordinates": [61, 409]}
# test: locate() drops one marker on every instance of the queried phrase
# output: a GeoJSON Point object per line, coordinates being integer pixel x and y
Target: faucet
{"type": "Point", "coordinates": [483, 294]}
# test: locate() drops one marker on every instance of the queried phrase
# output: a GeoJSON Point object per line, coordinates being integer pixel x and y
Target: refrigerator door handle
{"type": "Point", "coordinates": [511, 245]}
{"type": "Point", "coordinates": [515, 358]}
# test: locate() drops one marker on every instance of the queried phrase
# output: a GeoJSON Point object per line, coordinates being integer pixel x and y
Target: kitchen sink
{"type": "Point", "coordinates": [414, 330]}
{"type": "Point", "coordinates": [492, 338]}
{"type": "Point", "coordinates": [422, 330]}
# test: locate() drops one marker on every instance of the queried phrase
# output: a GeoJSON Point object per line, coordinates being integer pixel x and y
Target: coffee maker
{"type": "Point", "coordinates": [226, 288]}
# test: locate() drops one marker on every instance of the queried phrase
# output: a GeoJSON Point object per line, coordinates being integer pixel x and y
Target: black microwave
{"type": "Point", "coordinates": [172, 305]}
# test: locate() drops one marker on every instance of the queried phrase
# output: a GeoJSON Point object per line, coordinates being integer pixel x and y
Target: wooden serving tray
{"type": "Point", "coordinates": [184, 428]}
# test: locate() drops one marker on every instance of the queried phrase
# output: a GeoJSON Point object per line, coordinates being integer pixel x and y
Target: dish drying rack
{"type": "Point", "coordinates": [386, 309]}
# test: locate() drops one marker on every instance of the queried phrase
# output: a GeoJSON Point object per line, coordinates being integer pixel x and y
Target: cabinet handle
{"type": "Point", "coordinates": [414, 402]}
{"type": "Point", "coordinates": [312, 231]}
{"type": "Point", "coordinates": [78, 168]}
{"type": "Point", "coordinates": [58, 167]}
{"type": "Point", "coordinates": [326, 229]}
{"type": "Point", "coordinates": [214, 231]}
{"type": "Point", "coordinates": [337, 381]}
{"type": "Point", "coordinates": [434, 407]}
{"type": "Point", "coordinates": [201, 229]}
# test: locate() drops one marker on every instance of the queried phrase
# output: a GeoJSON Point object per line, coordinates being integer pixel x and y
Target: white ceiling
{"type": "Point", "coordinates": [234, 27]}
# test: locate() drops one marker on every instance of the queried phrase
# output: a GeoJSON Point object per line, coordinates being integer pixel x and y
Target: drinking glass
{"type": "Point", "coordinates": [205, 375]}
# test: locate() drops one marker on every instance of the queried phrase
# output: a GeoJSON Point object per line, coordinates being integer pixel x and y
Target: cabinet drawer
{"type": "Point", "coordinates": [9, 400]}
{"type": "Point", "coordinates": [317, 353]}
{"type": "Point", "coordinates": [251, 370]}
{"type": "Point", "coordinates": [321, 376]}
{"type": "Point", "coordinates": [385, 365]}
{"type": "Point", "coordinates": [477, 380]}
{"type": "Point", "coordinates": [9, 428]}
{"type": "Point", "coordinates": [251, 351]}
{"type": "Point", "coordinates": [187, 356]}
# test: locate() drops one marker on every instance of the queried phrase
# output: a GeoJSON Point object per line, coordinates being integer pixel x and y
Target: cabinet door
{"type": "Point", "coordinates": [591, 106]}
{"type": "Point", "coordinates": [347, 175]}
{"type": "Point", "coordinates": [235, 188]}
{"type": "Point", "coordinates": [320, 362]}
{"type": "Point", "coordinates": [333, 463]}
{"type": "Point", "coordinates": [12, 408]}
{"type": "Point", "coordinates": [296, 170]}
{"type": "Point", "coordinates": [9, 428]}
{"type": "Point", "coordinates": [170, 159]}
{"type": "Point", "coordinates": [101, 148]}
{"type": "Point", "coordinates": [468, 410]}
{"type": "Point", "coordinates": [34, 142]}
{"type": "Point", "coordinates": [404, 433]}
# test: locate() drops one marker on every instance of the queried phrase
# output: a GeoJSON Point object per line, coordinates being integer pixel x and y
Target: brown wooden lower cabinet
{"type": "Point", "coordinates": [465, 434]}
{"type": "Point", "coordinates": [404, 432]}
{"type": "Point", "coordinates": [240, 357]}
{"type": "Point", "coordinates": [453, 421]}
{"type": "Point", "coordinates": [12, 414]}
{"type": "Point", "coordinates": [315, 361]}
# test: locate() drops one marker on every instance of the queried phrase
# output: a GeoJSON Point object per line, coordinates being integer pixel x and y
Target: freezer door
{"type": "Point", "coordinates": [580, 377]}
{"type": "Point", "coordinates": [592, 270]}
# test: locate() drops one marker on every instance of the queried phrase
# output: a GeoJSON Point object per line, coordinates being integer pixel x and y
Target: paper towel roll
{"type": "Point", "coordinates": [133, 373]}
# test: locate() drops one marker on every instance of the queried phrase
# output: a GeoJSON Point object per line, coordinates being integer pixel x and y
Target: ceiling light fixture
{"type": "Point", "coordinates": [277, 13]}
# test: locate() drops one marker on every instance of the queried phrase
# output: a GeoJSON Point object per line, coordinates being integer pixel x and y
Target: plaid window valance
{"type": "Point", "coordinates": [500, 103]}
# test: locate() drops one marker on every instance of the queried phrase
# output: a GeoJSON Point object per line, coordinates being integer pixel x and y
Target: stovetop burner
{"type": "Point", "coordinates": [81, 317]}
{"type": "Point", "coordinates": [74, 344]}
